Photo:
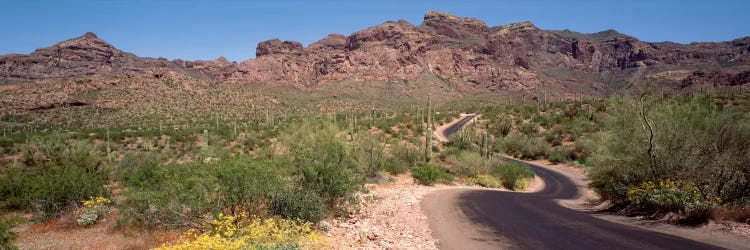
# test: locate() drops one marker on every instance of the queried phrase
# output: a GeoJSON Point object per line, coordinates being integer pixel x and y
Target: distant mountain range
{"type": "Point", "coordinates": [466, 51]}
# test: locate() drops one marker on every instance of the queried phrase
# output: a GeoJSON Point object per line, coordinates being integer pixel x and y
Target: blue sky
{"type": "Point", "coordinates": [209, 29]}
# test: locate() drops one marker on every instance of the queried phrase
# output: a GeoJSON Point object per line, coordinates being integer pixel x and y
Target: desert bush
{"type": "Point", "coordinates": [668, 196]}
{"type": "Point", "coordinates": [406, 153]}
{"type": "Point", "coordinates": [92, 210]}
{"type": "Point", "coordinates": [330, 170]}
{"type": "Point", "coordinates": [300, 204]}
{"type": "Point", "coordinates": [395, 166]}
{"type": "Point", "coordinates": [586, 146]}
{"type": "Point", "coordinates": [571, 111]}
{"type": "Point", "coordinates": [464, 139]}
{"type": "Point", "coordinates": [7, 236]}
{"type": "Point", "coordinates": [560, 154]}
{"type": "Point", "coordinates": [450, 151]}
{"type": "Point", "coordinates": [522, 146]}
{"type": "Point", "coordinates": [485, 180]}
{"type": "Point", "coordinates": [692, 144]}
{"type": "Point", "coordinates": [245, 184]}
{"type": "Point", "coordinates": [56, 175]}
{"type": "Point", "coordinates": [322, 163]}
{"type": "Point", "coordinates": [501, 127]}
{"type": "Point", "coordinates": [428, 174]}
{"type": "Point", "coordinates": [513, 175]}
{"type": "Point", "coordinates": [176, 195]}
{"type": "Point", "coordinates": [530, 128]}
{"type": "Point", "coordinates": [470, 164]}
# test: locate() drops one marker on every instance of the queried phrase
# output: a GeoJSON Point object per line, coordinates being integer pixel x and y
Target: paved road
{"type": "Point", "coordinates": [490, 219]}
{"type": "Point", "coordinates": [457, 126]}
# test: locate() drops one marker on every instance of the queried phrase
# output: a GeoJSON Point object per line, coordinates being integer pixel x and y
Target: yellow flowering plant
{"type": "Point", "coordinates": [241, 232]}
{"type": "Point", "coordinates": [670, 195]}
{"type": "Point", "coordinates": [92, 210]}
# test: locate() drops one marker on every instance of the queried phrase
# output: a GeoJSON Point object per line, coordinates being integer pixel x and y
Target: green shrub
{"type": "Point", "coordinates": [463, 140]}
{"type": "Point", "coordinates": [668, 195]}
{"type": "Point", "coordinates": [692, 144]}
{"type": "Point", "coordinates": [244, 184]}
{"type": "Point", "coordinates": [7, 236]}
{"type": "Point", "coordinates": [450, 151]}
{"type": "Point", "coordinates": [586, 146]}
{"type": "Point", "coordinates": [395, 166]}
{"type": "Point", "coordinates": [560, 154]}
{"type": "Point", "coordinates": [514, 175]}
{"type": "Point", "coordinates": [530, 129]}
{"type": "Point", "coordinates": [486, 180]}
{"type": "Point", "coordinates": [302, 205]}
{"type": "Point", "coordinates": [176, 195]}
{"type": "Point", "coordinates": [525, 147]}
{"type": "Point", "coordinates": [56, 175]}
{"type": "Point", "coordinates": [428, 174]}
{"type": "Point", "coordinates": [470, 164]}
{"type": "Point", "coordinates": [330, 170]}
{"type": "Point", "coordinates": [501, 127]}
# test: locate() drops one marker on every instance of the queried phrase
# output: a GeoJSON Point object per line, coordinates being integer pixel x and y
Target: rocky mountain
{"type": "Point", "coordinates": [516, 56]}
{"type": "Point", "coordinates": [83, 56]}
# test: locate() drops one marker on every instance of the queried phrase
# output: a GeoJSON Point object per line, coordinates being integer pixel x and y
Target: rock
{"type": "Point", "coordinates": [465, 52]}
{"type": "Point", "coordinates": [324, 225]}
{"type": "Point", "coordinates": [275, 46]}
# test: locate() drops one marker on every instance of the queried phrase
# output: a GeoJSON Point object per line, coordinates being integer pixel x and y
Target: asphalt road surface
{"type": "Point", "coordinates": [491, 219]}
{"type": "Point", "coordinates": [457, 126]}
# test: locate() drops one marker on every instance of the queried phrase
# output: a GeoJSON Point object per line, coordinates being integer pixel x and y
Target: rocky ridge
{"type": "Point", "coordinates": [517, 56]}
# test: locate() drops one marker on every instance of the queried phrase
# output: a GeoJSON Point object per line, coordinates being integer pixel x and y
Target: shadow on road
{"type": "Point", "coordinates": [537, 221]}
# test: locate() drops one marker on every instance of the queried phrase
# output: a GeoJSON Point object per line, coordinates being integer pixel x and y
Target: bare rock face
{"type": "Point", "coordinates": [716, 78]}
{"type": "Point", "coordinates": [86, 55]}
{"type": "Point", "coordinates": [333, 42]}
{"type": "Point", "coordinates": [276, 46]}
{"type": "Point", "coordinates": [456, 27]}
{"type": "Point", "coordinates": [508, 57]}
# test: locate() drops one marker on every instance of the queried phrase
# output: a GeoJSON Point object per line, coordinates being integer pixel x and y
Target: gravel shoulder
{"type": "Point", "coordinates": [392, 216]}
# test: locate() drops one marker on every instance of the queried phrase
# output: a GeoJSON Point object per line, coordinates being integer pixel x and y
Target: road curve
{"type": "Point", "coordinates": [491, 219]}
{"type": "Point", "coordinates": [453, 127]}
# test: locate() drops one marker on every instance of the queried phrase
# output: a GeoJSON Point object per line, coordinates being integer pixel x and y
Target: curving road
{"type": "Point", "coordinates": [491, 219]}
{"type": "Point", "coordinates": [456, 126]}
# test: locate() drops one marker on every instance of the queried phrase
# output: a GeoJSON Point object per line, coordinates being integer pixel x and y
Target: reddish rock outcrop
{"type": "Point", "coordinates": [86, 55]}
{"type": "Point", "coordinates": [514, 56]}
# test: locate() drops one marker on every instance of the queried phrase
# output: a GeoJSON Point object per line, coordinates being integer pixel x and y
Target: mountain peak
{"type": "Point", "coordinates": [90, 35]}
{"type": "Point", "coordinates": [454, 26]}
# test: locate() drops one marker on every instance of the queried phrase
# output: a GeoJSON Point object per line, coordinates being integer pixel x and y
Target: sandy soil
{"type": "Point", "coordinates": [64, 233]}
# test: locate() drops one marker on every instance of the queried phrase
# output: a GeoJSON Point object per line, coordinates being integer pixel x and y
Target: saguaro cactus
{"type": "Point", "coordinates": [109, 150]}
{"type": "Point", "coordinates": [429, 111]}
{"type": "Point", "coordinates": [205, 139]}
{"type": "Point", "coordinates": [428, 145]}
{"type": "Point", "coordinates": [484, 150]}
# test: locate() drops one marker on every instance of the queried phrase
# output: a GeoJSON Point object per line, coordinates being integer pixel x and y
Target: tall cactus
{"type": "Point", "coordinates": [205, 139]}
{"type": "Point", "coordinates": [109, 150]}
{"type": "Point", "coordinates": [428, 145]}
{"type": "Point", "coordinates": [355, 125]}
{"type": "Point", "coordinates": [484, 148]}
{"type": "Point", "coordinates": [235, 130]}
{"type": "Point", "coordinates": [429, 111]}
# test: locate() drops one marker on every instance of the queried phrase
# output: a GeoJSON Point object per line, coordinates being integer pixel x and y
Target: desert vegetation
{"type": "Point", "coordinates": [283, 168]}
{"type": "Point", "coordinates": [214, 175]}
{"type": "Point", "coordinates": [644, 153]}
